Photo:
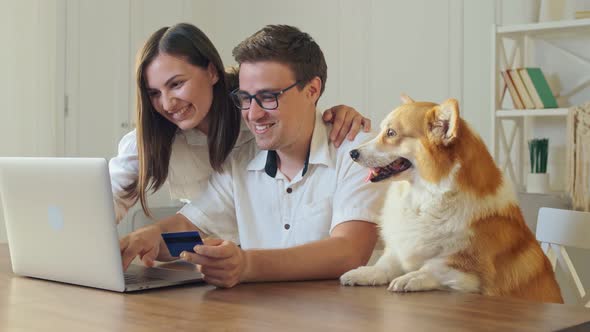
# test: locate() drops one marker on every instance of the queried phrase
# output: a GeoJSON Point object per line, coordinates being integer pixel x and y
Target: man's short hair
{"type": "Point", "coordinates": [288, 45]}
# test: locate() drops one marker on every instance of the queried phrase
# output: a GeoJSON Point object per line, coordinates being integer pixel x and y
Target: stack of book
{"type": "Point", "coordinates": [529, 88]}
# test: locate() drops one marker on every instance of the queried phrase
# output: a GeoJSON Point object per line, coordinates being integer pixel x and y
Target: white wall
{"type": "Point", "coordinates": [28, 63]}
{"type": "Point", "coordinates": [478, 18]}
{"type": "Point", "coordinates": [375, 49]}
{"type": "Point", "coordinates": [27, 83]}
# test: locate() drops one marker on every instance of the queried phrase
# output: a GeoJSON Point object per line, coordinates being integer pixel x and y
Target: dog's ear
{"type": "Point", "coordinates": [406, 99]}
{"type": "Point", "coordinates": [443, 122]}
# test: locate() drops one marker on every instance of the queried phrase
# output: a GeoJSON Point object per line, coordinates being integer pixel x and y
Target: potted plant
{"type": "Point", "coordinates": [538, 178]}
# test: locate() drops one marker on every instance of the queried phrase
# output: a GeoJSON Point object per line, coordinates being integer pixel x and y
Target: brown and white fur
{"type": "Point", "coordinates": [450, 220]}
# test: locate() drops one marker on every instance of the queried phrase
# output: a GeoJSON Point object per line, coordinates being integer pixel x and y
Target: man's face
{"type": "Point", "coordinates": [280, 128]}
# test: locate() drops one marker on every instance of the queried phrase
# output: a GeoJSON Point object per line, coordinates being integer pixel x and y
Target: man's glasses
{"type": "Point", "coordinates": [266, 100]}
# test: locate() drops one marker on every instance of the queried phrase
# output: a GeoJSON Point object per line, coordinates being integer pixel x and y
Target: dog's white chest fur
{"type": "Point", "coordinates": [418, 224]}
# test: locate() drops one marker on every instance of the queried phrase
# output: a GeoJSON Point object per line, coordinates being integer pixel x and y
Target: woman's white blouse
{"type": "Point", "coordinates": [188, 172]}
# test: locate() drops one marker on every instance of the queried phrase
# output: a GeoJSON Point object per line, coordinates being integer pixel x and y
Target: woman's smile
{"type": "Point", "coordinates": [182, 114]}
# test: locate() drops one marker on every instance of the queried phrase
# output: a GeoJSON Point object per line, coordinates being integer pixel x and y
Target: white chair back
{"type": "Point", "coordinates": [557, 229]}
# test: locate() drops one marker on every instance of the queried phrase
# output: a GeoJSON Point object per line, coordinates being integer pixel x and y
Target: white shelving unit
{"type": "Point", "coordinates": [511, 126]}
{"type": "Point", "coordinates": [544, 27]}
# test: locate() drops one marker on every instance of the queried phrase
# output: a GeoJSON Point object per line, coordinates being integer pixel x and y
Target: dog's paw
{"type": "Point", "coordinates": [414, 281]}
{"type": "Point", "coordinates": [364, 276]}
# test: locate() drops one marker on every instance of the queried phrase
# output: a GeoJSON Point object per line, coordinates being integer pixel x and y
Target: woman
{"type": "Point", "coordinates": [186, 123]}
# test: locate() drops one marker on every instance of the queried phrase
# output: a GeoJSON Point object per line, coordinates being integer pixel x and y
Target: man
{"type": "Point", "coordinates": [298, 206]}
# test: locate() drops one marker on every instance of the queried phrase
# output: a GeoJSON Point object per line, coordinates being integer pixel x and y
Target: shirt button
{"type": "Point", "coordinates": [289, 190]}
{"type": "Point", "coordinates": [287, 226]}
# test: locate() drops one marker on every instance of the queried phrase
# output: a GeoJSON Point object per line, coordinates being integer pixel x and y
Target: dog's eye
{"type": "Point", "coordinates": [391, 132]}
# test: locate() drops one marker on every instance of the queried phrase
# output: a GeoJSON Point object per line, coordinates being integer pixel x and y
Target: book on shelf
{"type": "Point", "coordinates": [526, 79]}
{"type": "Point", "coordinates": [522, 90]}
{"type": "Point", "coordinates": [539, 87]}
{"type": "Point", "coordinates": [512, 90]}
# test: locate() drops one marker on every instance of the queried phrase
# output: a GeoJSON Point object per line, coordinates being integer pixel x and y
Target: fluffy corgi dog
{"type": "Point", "coordinates": [450, 220]}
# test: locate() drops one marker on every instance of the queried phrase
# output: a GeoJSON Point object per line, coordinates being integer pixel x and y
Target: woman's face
{"type": "Point", "coordinates": [180, 91]}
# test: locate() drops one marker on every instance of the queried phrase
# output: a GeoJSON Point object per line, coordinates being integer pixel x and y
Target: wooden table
{"type": "Point", "coordinates": [28, 304]}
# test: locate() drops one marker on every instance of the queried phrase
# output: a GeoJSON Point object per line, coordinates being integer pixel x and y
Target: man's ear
{"type": "Point", "coordinates": [406, 99]}
{"type": "Point", "coordinates": [443, 122]}
{"type": "Point", "coordinates": [314, 88]}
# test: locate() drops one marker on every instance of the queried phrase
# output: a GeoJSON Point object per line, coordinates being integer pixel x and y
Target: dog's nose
{"type": "Point", "coordinates": [355, 154]}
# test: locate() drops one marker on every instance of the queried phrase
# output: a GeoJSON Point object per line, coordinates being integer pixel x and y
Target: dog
{"type": "Point", "coordinates": [450, 220]}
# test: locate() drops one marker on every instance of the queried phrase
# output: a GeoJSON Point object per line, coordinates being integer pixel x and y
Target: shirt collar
{"type": "Point", "coordinates": [319, 152]}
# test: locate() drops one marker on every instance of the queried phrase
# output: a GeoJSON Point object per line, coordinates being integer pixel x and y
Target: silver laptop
{"type": "Point", "coordinates": [60, 223]}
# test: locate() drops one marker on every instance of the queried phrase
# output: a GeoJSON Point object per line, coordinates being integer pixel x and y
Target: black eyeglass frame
{"type": "Point", "coordinates": [237, 95]}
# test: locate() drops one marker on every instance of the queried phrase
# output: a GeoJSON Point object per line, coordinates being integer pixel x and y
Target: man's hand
{"type": "Point", "coordinates": [146, 243]}
{"type": "Point", "coordinates": [346, 122]}
{"type": "Point", "coordinates": [222, 263]}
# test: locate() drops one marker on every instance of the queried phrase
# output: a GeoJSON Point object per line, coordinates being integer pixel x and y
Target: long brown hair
{"type": "Point", "coordinates": [155, 134]}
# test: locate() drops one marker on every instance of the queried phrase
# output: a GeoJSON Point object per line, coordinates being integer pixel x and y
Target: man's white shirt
{"type": "Point", "coordinates": [249, 206]}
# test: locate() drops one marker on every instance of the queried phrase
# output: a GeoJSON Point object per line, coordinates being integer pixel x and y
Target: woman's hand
{"type": "Point", "coordinates": [147, 243]}
{"type": "Point", "coordinates": [346, 122]}
{"type": "Point", "coordinates": [222, 263]}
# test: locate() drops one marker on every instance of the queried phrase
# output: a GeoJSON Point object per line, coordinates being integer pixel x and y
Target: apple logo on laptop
{"type": "Point", "coordinates": [56, 219]}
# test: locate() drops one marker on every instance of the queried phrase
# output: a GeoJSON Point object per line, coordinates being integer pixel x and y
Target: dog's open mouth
{"type": "Point", "coordinates": [381, 173]}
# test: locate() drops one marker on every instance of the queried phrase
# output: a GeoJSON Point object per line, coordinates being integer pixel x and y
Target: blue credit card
{"type": "Point", "coordinates": [181, 241]}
